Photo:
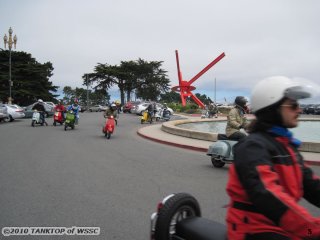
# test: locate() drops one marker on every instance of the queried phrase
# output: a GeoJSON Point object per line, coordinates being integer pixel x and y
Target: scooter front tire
{"type": "Point", "coordinates": [217, 163]}
{"type": "Point", "coordinates": [177, 208]}
{"type": "Point", "coordinates": [32, 123]}
{"type": "Point", "coordinates": [108, 135]}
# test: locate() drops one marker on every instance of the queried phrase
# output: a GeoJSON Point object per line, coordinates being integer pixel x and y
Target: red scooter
{"type": "Point", "coordinates": [58, 118]}
{"type": "Point", "coordinates": [109, 126]}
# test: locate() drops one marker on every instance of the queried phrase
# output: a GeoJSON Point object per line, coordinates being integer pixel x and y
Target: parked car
{"type": "Point", "coordinates": [309, 109]}
{"type": "Point", "coordinates": [4, 116]}
{"type": "Point", "coordinates": [51, 104]}
{"type": "Point", "coordinates": [83, 108]}
{"type": "Point", "coordinates": [140, 108]}
{"type": "Point", "coordinates": [97, 108]}
{"type": "Point", "coordinates": [128, 106]}
{"type": "Point", "coordinates": [317, 109]}
{"type": "Point", "coordinates": [15, 112]}
{"type": "Point", "coordinates": [28, 110]}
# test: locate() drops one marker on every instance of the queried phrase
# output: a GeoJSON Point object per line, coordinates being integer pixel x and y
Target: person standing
{"type": "Point", "coordinates": [269, 176]}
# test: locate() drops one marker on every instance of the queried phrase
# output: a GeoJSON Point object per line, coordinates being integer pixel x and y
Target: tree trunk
{"type": "Point", "coordinates": [122, 96]}
{"type": "Point", "coordinates": [128, 96]}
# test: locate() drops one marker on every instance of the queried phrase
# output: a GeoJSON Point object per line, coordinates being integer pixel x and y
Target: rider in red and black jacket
{"type": "Point", "coordinates": [269, 177]}
{"type": "Point", "coordinates": [60, 108]}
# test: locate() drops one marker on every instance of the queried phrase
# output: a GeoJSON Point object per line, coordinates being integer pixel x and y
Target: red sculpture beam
{"type": "Point", "coordinates": [185, 87]}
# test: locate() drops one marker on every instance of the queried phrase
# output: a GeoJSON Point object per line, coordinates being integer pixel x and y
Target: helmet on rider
{"type": "Point", "coordinates": [76, 101]}
{"type": "Point", "coordinates": [113, 106]}
{"type": "Point", "coordinates": [273, 90]}
{"type": "Point", "coordinates": [240, 101]}
{"type": "Point", "coordinates": [40, 100]}
{"type": "Point", "coordinates": [269, 94]}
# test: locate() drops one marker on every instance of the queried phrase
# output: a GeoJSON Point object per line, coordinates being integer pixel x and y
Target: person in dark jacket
{"type": "Point", "coordinates": [269, 176]}
{"type": "Point", "coordinates": [39, 106]}
{"type": "Point", "coordinates": [151, 110]}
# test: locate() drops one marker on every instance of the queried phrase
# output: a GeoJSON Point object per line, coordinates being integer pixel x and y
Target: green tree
{"type": "Point", "coordinates": [151, 80]}
{"type": "Point", "coordinates": [96, 97]}
{"type": "Point", "coordinates": [30, 78]}
{"type": "Point", "coordinates": [146, 78]}
{"type": "Point", "coordinates": [170, 97]}
{"type": "Point", "coordinates": [68, 93]}
{"type": "Point", "coordinates": [203, 98]}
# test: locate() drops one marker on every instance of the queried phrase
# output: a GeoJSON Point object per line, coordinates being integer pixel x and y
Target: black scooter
{"type": "Point", "coordinates": [178, 217]}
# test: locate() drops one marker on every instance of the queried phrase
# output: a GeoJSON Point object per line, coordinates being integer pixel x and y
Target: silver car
{"type": "Point", "coordinates": [4, 116]}
{"type": "Point", "coordinates": [140, 108]}
{"type": "Point", "coordinates": [15, 112]}
{"type": "Point", "coordinates": [97, 108]}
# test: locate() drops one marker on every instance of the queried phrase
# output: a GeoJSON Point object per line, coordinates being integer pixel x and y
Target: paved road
{"type": "Point", "coordinates": [49, 177]}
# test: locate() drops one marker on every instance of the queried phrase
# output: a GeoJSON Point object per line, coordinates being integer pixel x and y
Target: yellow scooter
{"type": "Point", "coordinates": [146, 117]}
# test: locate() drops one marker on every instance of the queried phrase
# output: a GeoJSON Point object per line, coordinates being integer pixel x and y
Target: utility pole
{"type": "Point", "coordinates": [215, 89]}
{"type": "Point", "coordinates": [87, 92]}
{"type": "Point", "coordinates": [10, 41]}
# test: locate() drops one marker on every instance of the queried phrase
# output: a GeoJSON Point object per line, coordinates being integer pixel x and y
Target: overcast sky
{"type": "Point", "coordinates": [261, 38]}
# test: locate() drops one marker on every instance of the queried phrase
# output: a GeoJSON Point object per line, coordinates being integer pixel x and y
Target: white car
{"type": "Point", "coordinates": [3, 113]}
{"type": "Point", "coordinates": [98, 108]}
{"type": "Point", "coordinates": [15, 112]}
{"type": "Point", "coordinates": [140, 108]}
{"type": "Point", "coordinates": [51, 104]}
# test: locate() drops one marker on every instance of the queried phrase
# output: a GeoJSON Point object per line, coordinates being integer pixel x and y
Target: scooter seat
{"type": "Point", "coordinates": [198, 228]}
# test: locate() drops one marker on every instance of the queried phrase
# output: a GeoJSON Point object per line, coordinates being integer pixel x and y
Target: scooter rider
{"type": "Point", "coordinates": [213, 110]}
{"type": "Point", "coordinates": [237, 119]}
{"type": "Point", "coordinates": [39, 106]}
{"type": "Point", "coordinates": [76, 109]}
{"type": "Point", "coordinates": [60, 108]}
{"type": "Point", "coordinates": [269, 176]}
{"type": "Point", "coordinates": [112, 111]}
{"type": "Point", "coordinates": [151, 109]}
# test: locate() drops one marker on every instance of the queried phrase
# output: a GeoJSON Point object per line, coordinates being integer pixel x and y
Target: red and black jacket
{"type": "Point", "coordinates": [266, 181]}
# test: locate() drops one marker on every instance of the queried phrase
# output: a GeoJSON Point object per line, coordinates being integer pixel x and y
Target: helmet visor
{"type": "Point", "coordinates": [303, 89]}
{"type": "Point", "coordinates": [297, 92]}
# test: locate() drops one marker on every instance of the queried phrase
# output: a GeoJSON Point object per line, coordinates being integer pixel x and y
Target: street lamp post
{"type": "Point", "coordinates": [87, 93]}
{"type": "Point", "coordinates": [11, 41]}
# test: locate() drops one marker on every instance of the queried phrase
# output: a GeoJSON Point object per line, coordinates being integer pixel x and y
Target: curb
{"type": "Point", "coordinates": [313, 163]}
{"type": "Point", "coordinates": [199, 149]}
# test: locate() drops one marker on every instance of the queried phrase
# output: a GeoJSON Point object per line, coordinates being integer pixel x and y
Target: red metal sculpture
{"type": "Point", "coordinates": [185, 87]}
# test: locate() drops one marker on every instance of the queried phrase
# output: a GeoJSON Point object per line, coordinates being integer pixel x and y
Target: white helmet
{"type": "Point", "coordinates": [113, 106]}
{"type": "Point", "coordinates": [271, 90]}
{"type": "Point", "coordinates": [40, 100]}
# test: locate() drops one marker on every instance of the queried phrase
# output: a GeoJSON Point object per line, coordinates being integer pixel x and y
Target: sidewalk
{"type": "Point", "coordinates": [153, 132]}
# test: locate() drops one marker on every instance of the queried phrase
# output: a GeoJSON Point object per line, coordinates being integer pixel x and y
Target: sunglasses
{"type": "Point", "coordinates": [293, 106]}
